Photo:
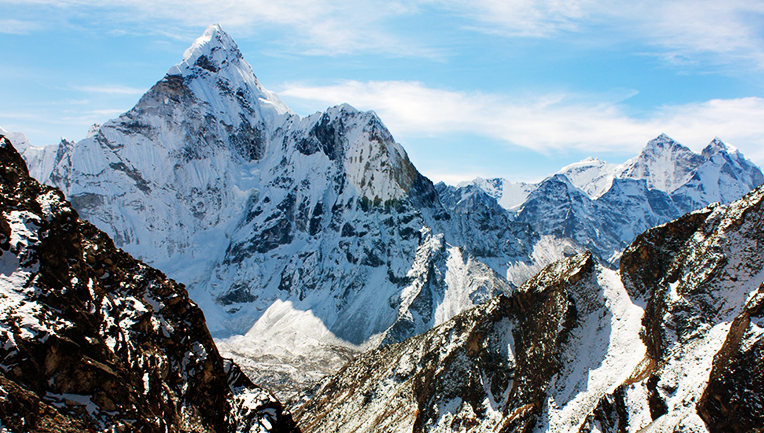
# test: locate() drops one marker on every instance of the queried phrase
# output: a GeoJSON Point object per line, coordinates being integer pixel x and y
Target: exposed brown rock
{"type": "Point", "coordinates": [109, 342]}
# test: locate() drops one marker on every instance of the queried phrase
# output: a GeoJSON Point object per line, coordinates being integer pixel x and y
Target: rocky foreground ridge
{"type": "Point", "coordinates": [94, 340]}
{"type": "Point", "coordinates": [670, 342]}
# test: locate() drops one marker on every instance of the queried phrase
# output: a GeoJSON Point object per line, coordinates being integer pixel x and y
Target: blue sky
{"type": "Point", "coordinates": [481, 88]}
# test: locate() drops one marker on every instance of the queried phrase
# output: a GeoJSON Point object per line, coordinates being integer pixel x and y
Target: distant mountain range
{"type": "Point", "coordinates": [308, 240]}
{"type": "Point", "coordinates": [603, 207]}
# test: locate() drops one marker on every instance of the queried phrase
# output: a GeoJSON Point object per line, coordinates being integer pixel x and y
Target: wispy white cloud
{"type": "Point", "coordinates": [111, 89]}
{"type": "Point", "coordinates": [546, 123]}
{"type": "Point", "coordinates": [18, 27]}
{"type": "Point", "coordinates": [303, 26]}
{"type": "Point", "coordinates": [699, 30]}
{"type": "Point", "coordinates": [525, 18]}
{"type": "Point", "coordinates": [728, 31]}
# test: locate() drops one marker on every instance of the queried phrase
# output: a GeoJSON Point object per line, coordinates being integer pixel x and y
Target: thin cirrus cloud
{"type": "Point", "coordinates": [728, 31]}
{"type": "Point", "coordinates": [304, 26]}
{"type": "Point", "coordinates": [544, 124]}
{"type": "Point", "coordinates": [522, 18]}
{"type": "Point", "coordinates": [321, 27]}
{"type": "Point", "coordinates": [18, 27]}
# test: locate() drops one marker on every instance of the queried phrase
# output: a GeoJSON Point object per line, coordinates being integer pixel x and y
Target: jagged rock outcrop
{"type": "Point", "coordinates": [700, 326]}
{"type": "Point", "coordinates": [488, 369]}
{"type": "Point", "coordinates": [94, 340]}
{"type": "Point", "coordinates": [670, 342]}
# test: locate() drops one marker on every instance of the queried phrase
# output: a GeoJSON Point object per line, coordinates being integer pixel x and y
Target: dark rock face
{"type": "Point", "coordinates": [733, 400]}
{"type": "Point", "coordinates": [646, 263]}
{"type": "Point", "coordinates": [94, 339]}
{"type": "Point", "coordinates": [325, 136]}
{"type": "Point", "coordinates": [697, 274]}
{"type": "Point", "coordinates": [486, 228]}
{"type": "Point", "coordinates": [610, 415]}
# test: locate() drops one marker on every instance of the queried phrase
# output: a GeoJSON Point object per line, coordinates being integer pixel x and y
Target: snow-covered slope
{"type": "Point", "coordinates": [39, 159]}
{"type": "Point", "coordinates": [591, 175]}
{"type": "Point", "coordinates": [603, 207]}
{"type": "Point", "coordinates": [94, 340]}
{"type": "Point", "coordinates": [497, 367]}
{"type": "Point", "coordinates": [509, 195]}
{"type": "Point", "coordinates": [670, 342]}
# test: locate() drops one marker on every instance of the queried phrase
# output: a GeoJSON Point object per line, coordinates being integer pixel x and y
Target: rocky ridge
{"type": "Point", "coordinates": [670, 342]}
{"type": "Point", "coordinates": [94, 340]}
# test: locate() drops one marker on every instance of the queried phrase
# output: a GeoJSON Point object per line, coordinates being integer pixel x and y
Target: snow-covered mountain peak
{"type": "Point", "coordinates": [661, 141]}
{"type": "Point", "coordinates": [509, 195]}
{"type": "Point", "coordinates": [214, 61]}
{"type": "Point", "coordinates": [212, 50]}
{"type": "Point", "coordinates": [93, 130]}
{"type": "Point", "coordinates": [663, 149]}
{"type": "Point", "coordinates": [586, 162]}
{"type": "Point", "coordinates": [717, 146]}
{"type": "Point", "coordinates": [592, 175]}
{"type": "Point", "coordinates": [664, 163]}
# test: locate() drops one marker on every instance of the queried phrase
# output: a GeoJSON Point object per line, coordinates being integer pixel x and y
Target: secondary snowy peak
{"type": "Point", "coordinates": [509, 195]}
{"type": "Point", "coordinates": [591, 175]}
{"type": "Point", "coordinates": [716, 146]}
{"type": "Point", "coordinates": [663, 163]}
{"type": "Point", "coordinates": [603, 206]}
{"type": "Point", "coordinates": [720, 154]}
{"type": "Point", "coordinates": [724, 175]}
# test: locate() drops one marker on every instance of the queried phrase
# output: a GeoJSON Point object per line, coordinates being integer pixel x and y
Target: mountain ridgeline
{"type": "Point", "coordinates": [308, 240]}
